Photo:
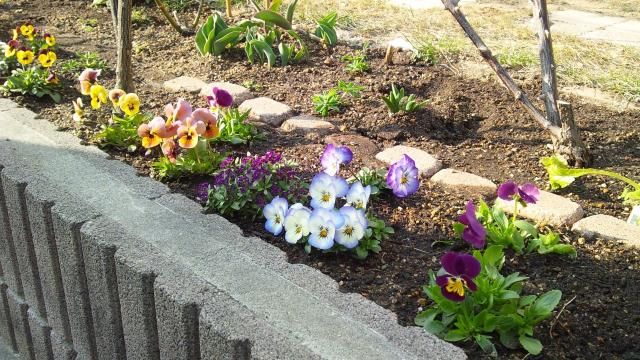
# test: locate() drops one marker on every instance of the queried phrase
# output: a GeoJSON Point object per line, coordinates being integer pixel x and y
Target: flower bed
{"type": "Point", "coordinates": [457, 125]}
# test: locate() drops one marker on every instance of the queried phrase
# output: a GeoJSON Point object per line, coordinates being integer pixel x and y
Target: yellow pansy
{"type": "Point", "coordinates": [25, 57]}
{"type": "Point", "coordinates": [130, 104]}
{"type": "Point", "coordinates": [27, 30]}
{"type": "Point", "coordinates": [98, 95]}
{"type": "Point", "coordinates": [15, 34]}
{"type": "Point", "coordinates": [47, 59]}
{"type": "Point", "coordinates": [50, 39]}
{"type": "Point", "coordinates": [78, 110]}
{"type": "Point", "coordinates": [9, 51]}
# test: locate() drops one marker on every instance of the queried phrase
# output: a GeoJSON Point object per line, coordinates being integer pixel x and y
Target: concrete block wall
{"type": "Point", "coordinates": [99, 263]}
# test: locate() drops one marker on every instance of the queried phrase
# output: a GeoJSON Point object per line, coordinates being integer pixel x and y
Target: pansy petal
{"type": "Point", "coordinates": [448, 261]}
{"type": "Point", "coordinates": [507, 190]}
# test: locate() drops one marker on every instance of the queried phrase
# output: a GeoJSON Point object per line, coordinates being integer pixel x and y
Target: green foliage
{"type": "Point", "coordinates": [333, 99]}
{"type": "Point", "coordinates": [377, 232]}
{"type": "Point", "coordinates": [496, 307]}
{"type": "Point", "coordinates": [561, 176]}
{"type": "Point", "coordinates": [266, 31]}
{"type": "Point", "coordinates": [197, 161]}
{"type": "Point", "coordinates": [356, 63]}
{"type": "Point", "coordinates": [122, 131]}
{"type": "Point", "coordinates": [139, 17]}
{"type": "Point", "coordinates": [83, 61]}
{"type": "Point", "coordinates": [376, 178]}
{"type": "Point", "coordinates": [396, 101]}
{"type": "Point", "coordinates": [326, 29]}
{"type": "Point", "coordinates": [31, 81]}
{"type": "Point", "coordinates": [519, 235]}
{"type": "Point", "coordinates": [328, 101]}
{"type": "Point", "coordinates": [235, 129]}
{"type": "Point", "coordinates": [517, 58]}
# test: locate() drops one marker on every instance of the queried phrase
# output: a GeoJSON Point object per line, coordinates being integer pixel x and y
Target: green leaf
{"type": "Point", "coordinates": [546, 303]}
{"type": "Point", "coordinates": [527, 227]}
{"type": "Point", "coordinates": [269, 16]}
{"type": "Point", "coordinates": [532, 345]}
{"type": "Point", "coordinates": [562, 249]}
{"type": "Point", "coordinates": [486, 345]}
{"type": "Point", "coordinates": [275, 5]}
{"type": "Point", "coordinates": [266, 50]}
{"type": "Point", "coordinates": [456, 335]}
{"type": "Point", "coordinates": [290, 10]}
{"type": "Point", "coordinates": [225, 38]}
{"type": "Point", "coordinates": [509, 339]}
{"type": "Point", "coordinates": [203, 35]}
{"type": "Point", "coordinates": [285, 53]}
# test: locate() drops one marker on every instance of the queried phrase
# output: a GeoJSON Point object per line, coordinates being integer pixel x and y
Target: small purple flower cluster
{"type": "Point", "coordinates": [250, 182]}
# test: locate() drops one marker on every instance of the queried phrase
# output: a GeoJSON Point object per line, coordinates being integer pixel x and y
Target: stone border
{"type": "Point", "coordinates": [97, 263]}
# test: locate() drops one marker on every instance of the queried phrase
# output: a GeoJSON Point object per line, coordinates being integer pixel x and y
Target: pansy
{"type": "Point", "coordinates": [169, 149]}
{"type": "Point", "coordinates": [115, 95]}
{"type": "Point", "coordinates": [27, 30]}
{"type": "Point", "coordinates": [457, 277]}
{"type": "Point", "coordinates": [180, 112]}
{"type": "Point", "coordinates": [333, 156]}
{"type": "Point", "coordinates": [474, 233]}
{"type": "Point", "coordinates": [130, 104]}
{"type": "Point", "coordinates": [78, 110]}
{"type": "Point", "coordinates": [47, 58]}
{"type": "Point", "coordinates": [296, 223]}
{"type": "Point", "coordinates": [221, 98]}
{"type": "Point", "coordinates": [189, 132]}
{"type": "Point", "coordinates": [49, 39]}
{"type": "Point", "coordinates": [353, 229]}
{"type": "Point", "coordinates": [358, 195]}
{"type": "Point", "coordinates": [403, 177]}
{"type": "Point", "coordinates": [99, 96]}
{"type": "Point", "coordinates": [52, 78]}
{"type": "Point", "coordinates": [210, 121]}
{"type": "Point", "coordinates": [87, 78]}
{"type": "Point", "coordinates": [322, 228]}
{"type": "Point", "coordinates": [324, 190]}
{"type": "Point", "coordinates": [153, 132]}
{"type": "Point", "coordinates": [25, 56]}
{"type": "Point", "coordinates": [16, 33]}
{"type": "Point", "coordinates": [275, 213]}
{"type": "Point", "coordinates": [527, 193]}
{"type": "Point", "coordinates": [11, 48]}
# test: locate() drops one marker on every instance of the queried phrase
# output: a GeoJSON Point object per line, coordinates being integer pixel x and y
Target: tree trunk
{"type": "Point", "coordinates": [228, 7]}
{"type": "Point", "coordinates": [569, 143]}
{"type": "Point", "coordinates": [124, 78]}
{"type": "Point", "coordinates": [113, 8]}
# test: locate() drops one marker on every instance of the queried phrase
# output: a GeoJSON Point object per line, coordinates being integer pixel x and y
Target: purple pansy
{"type": "Point", "coordinates": [459, 272]}
{"type": "Point", "coordinates": [334, 156]}
{"type": "Point", "coordinates": [402, 177]}
{"type": "Point", "coordinates": [474, 233]}
{"type": "Point", "coordinates": [528, 193]}
{"type": "Point", "coordinates": [220, 98]}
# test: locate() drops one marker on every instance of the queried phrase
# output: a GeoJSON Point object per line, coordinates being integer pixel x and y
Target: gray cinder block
{"type": "Point", "coordinates": [10, 267]}
{"type": "Point", "coordinates": [18, 309]}
{"type": "Point", "coordinates": [62, 350]}
{"type": "Point", "coordinates": [40, 336]}
{"type": "Point", "coordinates": [14, 184]}
{"type": "Point", "coordinates": [99, 239]}
{"type": "Point", "coordinates": [6, 325]}
{"type": "Point", "coordinates": [39, 208]}
{"type": "Point", "coordinates": [136, 277]}
{"type": "Point", "coordinates": [68, 217]}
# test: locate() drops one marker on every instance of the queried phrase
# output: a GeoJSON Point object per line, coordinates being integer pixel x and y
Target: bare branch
{"type": "Point", "coordinates": [506, 79]}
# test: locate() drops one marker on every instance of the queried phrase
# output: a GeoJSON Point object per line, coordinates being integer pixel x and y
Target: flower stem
{"type": "Point", "coordinates": [615, 176]}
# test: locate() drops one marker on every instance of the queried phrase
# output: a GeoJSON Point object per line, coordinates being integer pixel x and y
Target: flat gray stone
{"type": "Point", "coordinates": [425, 162]}
{"type": "Point", "coordinates": [608, 228]}
{"type": "Point", "coordinates": [550, 209]}
{"type": "Point", "coordinates": [578, 22]}
{"type": "Point", "coordinates": [240, 93]}
{"type": "Point", "coordinates": [625, 33]}
{"type": "Point", "coordinates": [465, 182]}
{"type": "Point", "coordinates": [184, 83]}
{"type": "Point", "coordinates": [307, 124]}
{"type": "Point", "coordinates": [267, 110]}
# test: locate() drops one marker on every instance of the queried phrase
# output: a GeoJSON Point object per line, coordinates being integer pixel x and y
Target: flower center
{"type": "Point", "coordinates": [324, 232]}
{"type": "Point", "coordinates": [404, 180]}
{"type": "Point", "coordinates": [326, 197]}
{"type": "Point", "coordinates": [359, 204]}
{"type": "Point", "coordinates": [456, 285]}
{"type": "Point", "coordinates": [298, 229]}
{"type": "Point", "coordinates": [277, 219]}
{"type": "Point", "coordinates": [348, 230]}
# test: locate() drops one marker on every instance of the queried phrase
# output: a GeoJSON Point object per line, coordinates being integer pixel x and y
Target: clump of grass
{"type": "Point", "coordinates": [432, 50]}
{"type": "Point", "coordinates": [82, 61]}
{"type": "Point", "coordinates": [356, 63]}
{"type": "Point", "coordinates": [517, 58]}
{"type": "Point", "coordinates": [139, 17]}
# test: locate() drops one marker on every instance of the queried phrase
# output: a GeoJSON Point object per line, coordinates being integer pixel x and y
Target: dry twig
{"type": "Point", "coordinates": [553, 323]}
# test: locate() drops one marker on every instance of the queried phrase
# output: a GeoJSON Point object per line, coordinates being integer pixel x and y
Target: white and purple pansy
{"type": "Point", "coordinates": [275, 213]}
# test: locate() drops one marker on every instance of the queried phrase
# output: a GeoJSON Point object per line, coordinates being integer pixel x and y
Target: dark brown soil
{"type": "Point", "coordinates": [471, 125]}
